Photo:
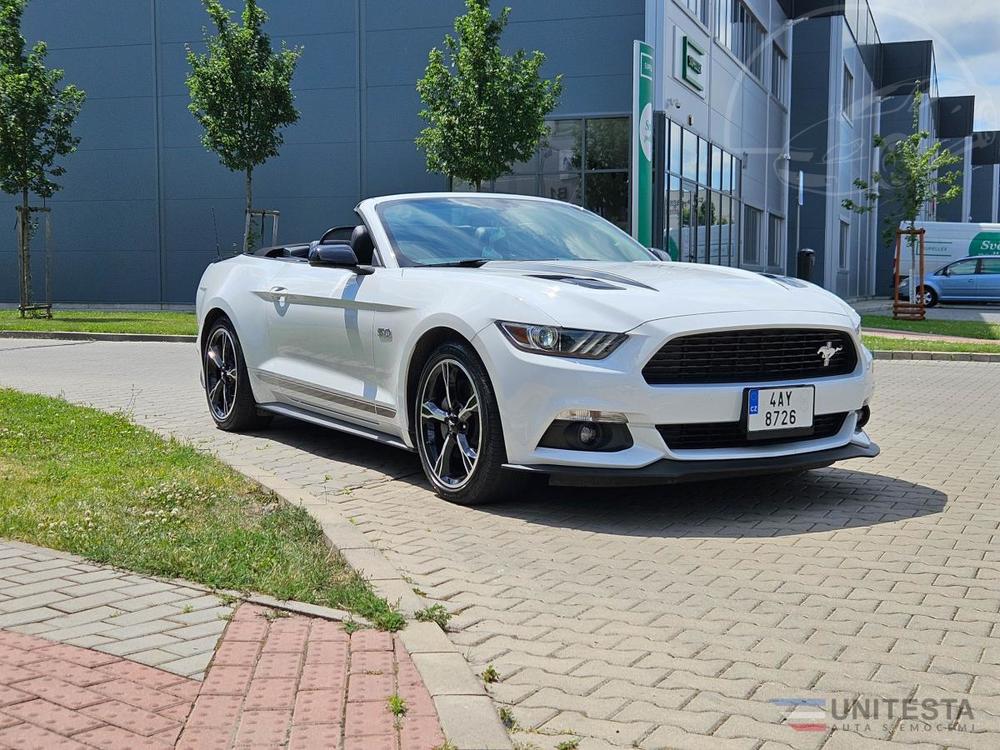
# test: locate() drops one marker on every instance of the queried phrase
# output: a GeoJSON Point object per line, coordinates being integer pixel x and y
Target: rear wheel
{"type": "Point", "coordinates": [459, 435]}
{"type": "Point", "coordinates": [227, 383]}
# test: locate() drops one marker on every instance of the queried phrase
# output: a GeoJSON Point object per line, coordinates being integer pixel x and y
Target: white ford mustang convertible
{"type": "Point", "coordinates": [503, 336]}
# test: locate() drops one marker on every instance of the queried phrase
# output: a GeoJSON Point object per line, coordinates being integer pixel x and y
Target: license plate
{"type": "Point", "coordinates": [779, 409]}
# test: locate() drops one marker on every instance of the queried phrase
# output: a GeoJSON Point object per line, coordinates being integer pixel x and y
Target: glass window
{"type": "Point", "coordinates": [563, 187]}
{"type": "Point", "coordinates": [674, 165]}
{"type": "Point", "coordinates": [742, 34]}
{"type": "Point", "coordinates": [607, 196]}
{"type": "Point", "coordinates": [848, 93]}
{"type": "Point", "coordinates": [751, 235]}
{"type": "Point", "coordinates": [845, 246]}
{"type": "Point", "coordinates": [698, 8]}
{"type": "Point", "coordinates": [990, 265]}
{"type": "Point", "coordinates": [775, 240]}
{"type": "Point", "coordinates": [779, 74]}
{"type": "Point", "coordinates": [963, 268]}
{"type": "Point", "coordinates": [446, 229]}
{"type": "Point", "coordinates": [517, 184]}
{"type": "Point", "coordinates": [702, 161]}
{"type": "Point", "coordinates": [563, 151]}
{"type": "Point", "coordinates": [689, 168]}
{"type": "Point", "coordinates": [716, 168]}
{"type": "Point", "coordinates": [672, 243]}
{"type": "Point", "coordinates": [688, 223]}
{"type": "Point", "coordinates": [607, 143]}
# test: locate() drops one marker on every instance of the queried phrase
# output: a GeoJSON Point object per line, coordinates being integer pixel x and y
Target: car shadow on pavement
{"type": "Point", "coordinates": [822, 500]}
{"type": "Point", "coordinates": [777, 505]}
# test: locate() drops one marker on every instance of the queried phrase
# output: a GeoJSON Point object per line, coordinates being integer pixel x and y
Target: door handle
{"type": "Point", "coordinates": [276, 289]}
{"type": "Point", "coordinates": [279, 292]}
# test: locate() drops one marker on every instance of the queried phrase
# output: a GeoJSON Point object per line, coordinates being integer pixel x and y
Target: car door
{"type": "Point", "coordinates": [988, 280]}
{"type": "Point", "coordinates": [959, 281]}
{"type": "Point", "coordinates": [320, 329]}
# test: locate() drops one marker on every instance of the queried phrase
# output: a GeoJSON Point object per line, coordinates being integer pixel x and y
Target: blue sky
{"type": "Point", "coordinates": [966, 36]}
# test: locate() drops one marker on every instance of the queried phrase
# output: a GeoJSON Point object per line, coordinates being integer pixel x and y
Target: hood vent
{"type": "Point", "coordinates": [583, 281]}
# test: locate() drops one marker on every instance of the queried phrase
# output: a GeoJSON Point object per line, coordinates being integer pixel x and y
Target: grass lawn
{"type": "Point", "coordinates": [103, 321]}
{"type": "Point", "coordinates": [83, 481]}
{"type": "Point", "coordinates": [972, 329]}
{"type": "Point", "coordinates": [929, 345]}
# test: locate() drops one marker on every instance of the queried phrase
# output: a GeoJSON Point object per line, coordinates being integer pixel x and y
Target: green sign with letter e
{"type": "Point", "coordinates": [985, 243]}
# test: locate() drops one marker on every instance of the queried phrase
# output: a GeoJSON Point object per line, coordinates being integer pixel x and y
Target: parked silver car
{"type": "Point", "coordinates": [973, 279]}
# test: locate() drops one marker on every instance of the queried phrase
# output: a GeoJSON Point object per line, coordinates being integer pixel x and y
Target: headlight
{"type": "Point", "coordinates": [561, 342]}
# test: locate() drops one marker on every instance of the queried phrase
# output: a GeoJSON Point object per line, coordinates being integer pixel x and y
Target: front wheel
{"type": "Point", "coordinates": [930, 297]}
{"type": "Point", "coordinates": [458, 431]}
{"type": "Point", "coordinates": [227, 382]}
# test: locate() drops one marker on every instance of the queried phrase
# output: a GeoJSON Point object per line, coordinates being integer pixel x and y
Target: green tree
{"type": "Point", "coordinates": [917, 174]}
{"type": "Point", "coordinates": [241, 91]}
{"type": "Point", "coordinates": [36, 122]}
{"type": "Point", "coordinates": [485, 110]}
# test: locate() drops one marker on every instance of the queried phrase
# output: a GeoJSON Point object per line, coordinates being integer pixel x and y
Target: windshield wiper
{"type": "Point", "coordinates": [466, 263]}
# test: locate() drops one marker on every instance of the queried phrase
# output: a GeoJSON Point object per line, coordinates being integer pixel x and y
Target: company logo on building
{"type": "Point", "coordinates": [692, 64]}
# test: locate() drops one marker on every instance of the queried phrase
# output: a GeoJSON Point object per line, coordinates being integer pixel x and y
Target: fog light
{"type": "Point", "coordinates": [588, 434]}
{"type": "Point", "coordinates": [569, 435]}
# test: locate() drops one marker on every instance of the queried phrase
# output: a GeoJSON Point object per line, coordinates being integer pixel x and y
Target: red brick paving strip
{"type": "Point", "coordinates": [69, 697]}
{"type": "Point", "coordinates": [305, 684]}
{"type": "Point", "coordinates": [275, 682]}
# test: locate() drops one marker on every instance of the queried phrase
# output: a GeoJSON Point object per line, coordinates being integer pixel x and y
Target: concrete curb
{"type": "Point", "coordinates": [467, 715]}
{"type": "Point", "coordinates": [938, 356]}
{"type": "Point", "coordinates": [85, 336]}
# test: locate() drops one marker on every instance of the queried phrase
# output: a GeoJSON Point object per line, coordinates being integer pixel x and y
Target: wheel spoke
{"type": "Point", "coordinates": [221, 377]}
{"type": "Point", "coordinates": [215, 358]}
{"type": "Point", "coordinates": [471, 407]}
{"type": "Point", "coordinates": [467, 453]}
{"type": "Point", "coordinates": [442, 459]}
{"type": "Point", "coordinates": [446, 376]}
{"type": "Point", "coordinates": [430, 410]}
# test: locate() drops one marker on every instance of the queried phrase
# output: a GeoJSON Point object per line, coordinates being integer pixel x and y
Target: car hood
{"type": "Point", "coordinates": [620, 296]}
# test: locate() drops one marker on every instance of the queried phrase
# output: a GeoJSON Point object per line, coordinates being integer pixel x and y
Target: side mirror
{"type": "Point", "coordinates": [660, 254]}
{"type": "Point", "coordinates": [338, 256]}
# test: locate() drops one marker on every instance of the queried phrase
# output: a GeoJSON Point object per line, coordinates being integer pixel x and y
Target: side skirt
{"type": "Point", "coordinates": [335, 424]}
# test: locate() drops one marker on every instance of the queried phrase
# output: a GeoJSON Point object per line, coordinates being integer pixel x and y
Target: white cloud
{"type": "Point", "coordinates": [965, 35]}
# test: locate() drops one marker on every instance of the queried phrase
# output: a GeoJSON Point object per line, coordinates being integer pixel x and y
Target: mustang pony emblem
{"type": "Point", "coordinates": [828, 351]}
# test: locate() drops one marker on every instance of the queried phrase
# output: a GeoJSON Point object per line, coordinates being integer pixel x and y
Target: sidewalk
{"type": "Point", "coordinates": [92, 657]}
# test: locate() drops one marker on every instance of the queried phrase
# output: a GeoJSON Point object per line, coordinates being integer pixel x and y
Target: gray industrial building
{"type": "Point", "coordinates": [748, 94]}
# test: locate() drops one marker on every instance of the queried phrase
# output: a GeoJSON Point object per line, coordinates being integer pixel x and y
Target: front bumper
{"type": "Point", "coordinates": [532, 390]}
{"type": "Point", "coordinates": [670, 471]}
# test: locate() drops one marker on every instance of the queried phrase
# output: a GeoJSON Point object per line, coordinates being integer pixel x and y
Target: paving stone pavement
{"type": "Point", "coordinates": [669, 617]}
{"type": "Point", "coordinates": [67, 599]}
{"type": "Point", "coordinates": [285, 681]}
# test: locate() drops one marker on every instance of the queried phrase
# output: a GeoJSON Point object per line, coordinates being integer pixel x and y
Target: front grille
{"type": "Point", "coordinates": [751, 356]}
{"type": "Point", "coordinates": [701, 436]}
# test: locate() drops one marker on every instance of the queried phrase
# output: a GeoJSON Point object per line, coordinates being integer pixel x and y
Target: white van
{"type": "Point", "coordinates": [947, 241]}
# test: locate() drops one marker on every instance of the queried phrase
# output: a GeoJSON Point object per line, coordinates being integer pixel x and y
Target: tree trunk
{"type": "Point", "coordinates": [24, 252]}
{"type": "Point", "coordinates": [248, 219]}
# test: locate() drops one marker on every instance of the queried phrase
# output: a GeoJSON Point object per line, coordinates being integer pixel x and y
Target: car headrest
{"type": "Point", "coordinates": [362, 245]}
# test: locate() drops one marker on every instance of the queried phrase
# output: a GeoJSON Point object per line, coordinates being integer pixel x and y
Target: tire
{"type": "Point", "coordinates": [227, 388]}
{"type": "Point", "coordinates": [930, 297]}
{"type": "Point", "coordinates": [446, 426]}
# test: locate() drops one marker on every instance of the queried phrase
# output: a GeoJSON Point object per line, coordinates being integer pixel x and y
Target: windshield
{"type": "Point", "coordinates": [448, 230]}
